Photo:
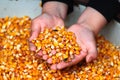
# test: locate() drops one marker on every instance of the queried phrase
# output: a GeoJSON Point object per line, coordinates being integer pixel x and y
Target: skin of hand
{"type": "Point", "coordinates": [53, 14]}
{"type": "Point", "coordinates": [86, 40]}
{"type": "Point", "coordinates": [88, 26]}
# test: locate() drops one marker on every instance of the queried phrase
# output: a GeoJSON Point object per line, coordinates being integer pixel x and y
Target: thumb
{"type": "Point", "coordinates": [92, 54]}
{"type": "Point", "coordinates": [35, 29]}
{"type": "Point", "coordinates": [34, 34]}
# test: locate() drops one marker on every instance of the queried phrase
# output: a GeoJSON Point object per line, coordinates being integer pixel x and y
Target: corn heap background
{"type": "Point", "coordinates": [17, 62]}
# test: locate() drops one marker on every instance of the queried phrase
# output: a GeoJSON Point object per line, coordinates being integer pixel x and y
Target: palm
{"type": "Point", "coordinates": [86, 41]}
{"type": "Point", "coordinates": [42, 21]}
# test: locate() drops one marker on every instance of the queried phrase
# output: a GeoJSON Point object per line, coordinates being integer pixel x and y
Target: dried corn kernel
{"type": "Point", "coordinates": [58, 43]}
{"type": "Point", "coordinates": [18, 63]}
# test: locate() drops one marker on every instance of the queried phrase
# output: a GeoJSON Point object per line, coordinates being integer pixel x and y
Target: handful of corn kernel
{"type": "Point", "coordinates": [58, 44]}
{"type": "Point", "coordinates": [17, 62]}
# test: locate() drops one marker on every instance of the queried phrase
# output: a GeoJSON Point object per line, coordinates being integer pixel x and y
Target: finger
{"type": "Point", "coordinates": [92, 54]}
{"type": "Point", "coordinates": [49, 61]}
{"type": "Point", "coordinates": [40, 53]}
{"type": "Point", "coordinates": [53, 52]}
{"type": "Point", "coordinates": [34, 34]}
{"type": "Point", "coordinates": [54, 67]}
{"type": "Point", "coordinates": [59, 23]}
{"type": "Point", "coordinates": [32, 47]}
{"type": "Point", "coordinates": [45, 57]}
{"type": "Point", "coordinates": [63, 64]}
{"type": "Point", "coordinates": [34, 31]}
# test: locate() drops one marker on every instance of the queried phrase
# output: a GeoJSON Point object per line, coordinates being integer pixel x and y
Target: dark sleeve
{"type": "Point", "coordinates": [108, 8]}
{"type": "Point", "coordinates": [68, 2]}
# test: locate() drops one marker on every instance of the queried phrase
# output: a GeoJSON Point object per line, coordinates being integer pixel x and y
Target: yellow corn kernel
{"type": "Point", "coordinates": [61, 45]}
{"type": "Point", "coordinates": [65, 56]}
{"type": "Point", "coordinates": [17, 62]}
{"type": "Point", "coordinates": [55, 43]}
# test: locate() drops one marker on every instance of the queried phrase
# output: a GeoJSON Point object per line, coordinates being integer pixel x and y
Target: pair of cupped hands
{"type": "Point", "coordinates": [84, 37]}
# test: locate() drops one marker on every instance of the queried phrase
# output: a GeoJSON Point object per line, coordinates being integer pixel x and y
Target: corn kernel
{"type": "Point", "coordinates": [60, 43]}
{"type": "Point", "coordinates": [17, 62]}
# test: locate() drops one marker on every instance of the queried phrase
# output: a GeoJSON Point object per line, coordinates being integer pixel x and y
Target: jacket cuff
{"type": "Point", "coordinates": [108, 8]}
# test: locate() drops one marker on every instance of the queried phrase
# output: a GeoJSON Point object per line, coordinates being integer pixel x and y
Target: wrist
{"type": "Point", "coordinates": [56, 20]}
{"type": "Point", "coordinates": [92, 20]}
{"type": "Point", "coordinates": [87, 27]}
{"type": "Point", "coordinates": [55, 8]}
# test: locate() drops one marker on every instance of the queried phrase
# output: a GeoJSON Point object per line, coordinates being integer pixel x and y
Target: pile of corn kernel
{"type": "Point", "coordinates": [58, 44]}
{"type": "Point", "coordinates": [17, 62]}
